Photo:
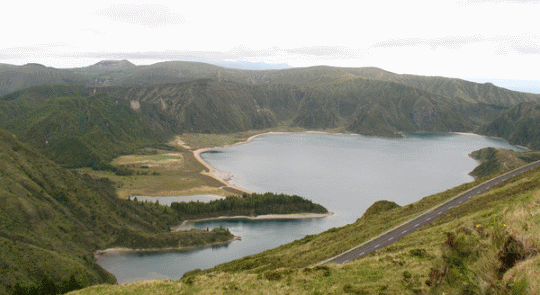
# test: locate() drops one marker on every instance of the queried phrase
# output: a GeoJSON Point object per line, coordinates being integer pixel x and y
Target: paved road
{"type": "Point", "coordinates": [410, 226]}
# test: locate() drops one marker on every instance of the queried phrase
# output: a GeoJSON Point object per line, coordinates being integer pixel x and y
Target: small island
{"type": "Point", "coordinates": [250, 206]}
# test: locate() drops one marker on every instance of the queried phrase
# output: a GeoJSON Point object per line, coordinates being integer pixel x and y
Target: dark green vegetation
{"type": "Point", "coordinates": [78, 129]}
{"type": "Point", "coordinates": [379, 207]}
{"type": "Point", "coordinates": [47, 286]}
{"type": "Point", "coordinates": [493, 161]}
{"type": "Point", "coordinates": [248, 205]}
{"type": "Point", "coordinates": [52, 220]}
{"type": "Point", "coordinates": [519, 125]}
{"type": "Point", "coordinates": [13, 78]}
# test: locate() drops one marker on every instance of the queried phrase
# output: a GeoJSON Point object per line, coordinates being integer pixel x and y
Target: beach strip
{"type": "Point", "coordinates": [224, 176]}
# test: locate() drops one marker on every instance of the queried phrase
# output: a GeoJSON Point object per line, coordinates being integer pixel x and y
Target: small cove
{"type": "Point", "coordinates": [344, 173]}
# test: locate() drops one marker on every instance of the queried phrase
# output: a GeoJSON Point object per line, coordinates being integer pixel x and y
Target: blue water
{"type": "Point", "coordinates": [344, 173]}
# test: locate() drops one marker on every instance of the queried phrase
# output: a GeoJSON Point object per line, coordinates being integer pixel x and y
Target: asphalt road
{"type": "Point", "coordinates": [410, 226]}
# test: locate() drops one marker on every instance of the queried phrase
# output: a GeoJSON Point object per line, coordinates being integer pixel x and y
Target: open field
{"type": "Point", "coordinates": [165, 173]}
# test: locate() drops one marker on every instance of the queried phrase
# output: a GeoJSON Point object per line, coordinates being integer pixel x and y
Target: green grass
{"type": "Point", "coordinates": [163, 174]}
{"type": "Point", "coordinates": [493, 160]}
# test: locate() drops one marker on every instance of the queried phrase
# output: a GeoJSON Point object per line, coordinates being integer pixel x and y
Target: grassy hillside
{"type": "Point", "coordinates": [13, 78]}
{"type": "Point", "coordinates": [205, 98]}
{"type": "Point", "coordinates": [358, 105]}
{"type": "Point", "coordinates": [519, 125]}
{"type": "Point", "coordinates": [488, 245]}
{"type": "Point", "coordinates": [78, 129]}
{"type": "Point", "coordinates": [486, 93]}
{"type": "Point", "coordinates": [494, 161]}
{"type": "Point", "coordinates": [203, 106]}
{"type": "Point", "coordinates": [51, 220]}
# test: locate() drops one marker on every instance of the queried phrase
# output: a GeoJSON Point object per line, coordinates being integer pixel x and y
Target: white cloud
{"type": "Point", "coordinates": [149, 15]}
{"type": "Point", "coordinates": [449, 38]}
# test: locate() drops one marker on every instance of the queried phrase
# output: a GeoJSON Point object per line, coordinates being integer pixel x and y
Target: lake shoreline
{"type": "Point", "coordinates": [295, 216]}
{"type": "Point", "coordinates": [224, 177]}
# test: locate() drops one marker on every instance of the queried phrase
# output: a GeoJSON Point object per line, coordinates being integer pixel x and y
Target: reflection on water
{"type": "Point", "coordinates": [344, 173]}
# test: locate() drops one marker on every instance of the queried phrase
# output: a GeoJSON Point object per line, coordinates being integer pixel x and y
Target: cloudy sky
{"type": "Point", "coordinates": [471, 39]}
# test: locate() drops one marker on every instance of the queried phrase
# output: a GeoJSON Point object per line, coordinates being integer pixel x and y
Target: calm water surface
{"type": "Point", "coordinates": [344, 173]}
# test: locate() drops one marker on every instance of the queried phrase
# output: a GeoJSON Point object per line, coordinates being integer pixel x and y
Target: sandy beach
{"type": "Point", "coordinates": [224, 177]}
{"type": "Point", "coordinates": [221, 176]}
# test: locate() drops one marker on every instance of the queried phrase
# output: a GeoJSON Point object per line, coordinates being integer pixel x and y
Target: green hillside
{"type": "Point", "coordinates": [52, 220]}
{"type": "Point", "coordinates": [204, 98]}
{"type": "Point", "coordinates": [486, 93]}
{"type": "Point", "coordinates": [493, 160]}
{"type": "Point", "coordinates": [488, 245]}
{"type": "Point", "coordinates": [358, 105]}
{"type": "Point", "coordinates": [78, 129]}
{"type": "Point", "coordinates": [13, 78]}
{"type": "Point", "coordinates": [519, 125]}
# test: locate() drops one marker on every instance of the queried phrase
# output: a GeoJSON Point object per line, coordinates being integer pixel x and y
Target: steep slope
{"type": "Point", "coordinates": [519, 125]}
{"type": "Point", "coordinates": [486, 93]}
{"type": "Point", "coordinates": [52, 220]}
{"type": "Point", "coordinates": [124, 73]}
{"type": "Point", "coordinates": [359, 105]}
{"type": "Point", "coordinates": [203, 106]}
{"type": "Point", "coordinates": [78, 131]}
{"type": "Point", "coordinates": [198, 97]}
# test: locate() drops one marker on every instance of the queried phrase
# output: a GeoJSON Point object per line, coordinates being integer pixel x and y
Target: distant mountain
{"type": "Point", "coordinates": [13, 78]}
{"type": "Point", "coordinates": [124, 73]}
{"type": "Point", "coordinates": [200, 97]}
{"type": "Point", "coordinates": [519, 125]}
{"type": "Point", "coordinates": [486, 93]}
{"type": "Point", "coordinates": [246, 65]}
{"type": "Point", "coordinates": [112, 65]}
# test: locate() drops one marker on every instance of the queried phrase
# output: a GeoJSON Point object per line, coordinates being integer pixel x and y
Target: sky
{"type": "Point", "coordinates": [470, 39]}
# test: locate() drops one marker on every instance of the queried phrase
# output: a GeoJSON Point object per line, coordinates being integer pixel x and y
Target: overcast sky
{"type": "Point", "coordinates": [472, 39]}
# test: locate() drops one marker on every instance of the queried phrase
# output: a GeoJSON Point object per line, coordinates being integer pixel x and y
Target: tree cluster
{"type": "Point", "coordinates": [249, 205]}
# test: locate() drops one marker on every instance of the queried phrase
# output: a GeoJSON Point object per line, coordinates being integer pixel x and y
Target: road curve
{"type": "Point", "coordinates": [410, 226]}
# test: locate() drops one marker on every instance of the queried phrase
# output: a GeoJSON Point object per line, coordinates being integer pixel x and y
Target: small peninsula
{"type": "Point", "coordinates": [247, 206]}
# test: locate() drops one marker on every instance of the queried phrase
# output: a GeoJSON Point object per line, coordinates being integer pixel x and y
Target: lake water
{"type": "Point", "coordinates": [344, 173]}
